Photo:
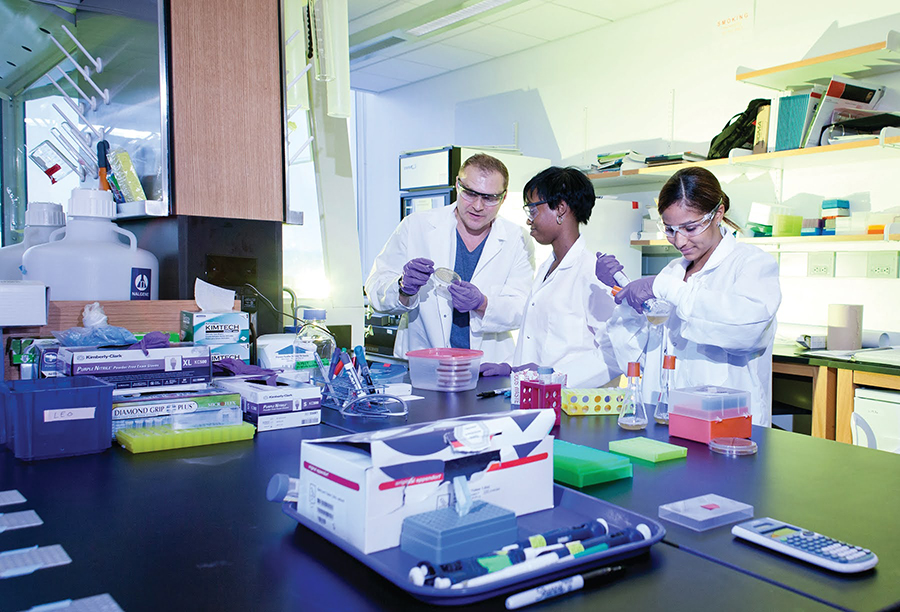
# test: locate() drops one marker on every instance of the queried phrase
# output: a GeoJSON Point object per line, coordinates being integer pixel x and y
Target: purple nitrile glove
{"type": "Point", "coordinates": [495, 369]}
{"type": "Point", "coordinates": [526, 366]}
{"type": "Point", "coordinates": [466, 296]}
{"type": "Point", "coordinates": [415, 274]}
{"type": "Point", "coordinates": [606, 268]}
{"type": "Point", "coordinates": [154, 339]}
{"type": "Point", "coordinates": [637, 292]}
{"type": "Point", "coordinates": [236, 367]}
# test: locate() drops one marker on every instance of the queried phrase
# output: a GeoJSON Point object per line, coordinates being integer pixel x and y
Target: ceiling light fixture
{"type": "Point", "coordinates": [456, 16]}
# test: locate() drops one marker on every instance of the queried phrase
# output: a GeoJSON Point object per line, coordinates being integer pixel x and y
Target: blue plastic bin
{"type": "Point", "coordinates": [59, 417]}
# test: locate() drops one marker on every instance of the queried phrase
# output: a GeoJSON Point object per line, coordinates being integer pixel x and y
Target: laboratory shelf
{"type": "Point", "coordinates": [786, 240]}
{"type": "Point", "coordinates": [865, 61]}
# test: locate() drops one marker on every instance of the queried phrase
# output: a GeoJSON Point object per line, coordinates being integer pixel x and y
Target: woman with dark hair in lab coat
{"type": "Point", "coordinates": [724, 295]}
{"type": "Point", "coordinates": [565, 314]}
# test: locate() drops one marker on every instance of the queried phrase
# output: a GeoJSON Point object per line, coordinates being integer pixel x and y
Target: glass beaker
{"type": "Point", "coordinates": [661, 413]}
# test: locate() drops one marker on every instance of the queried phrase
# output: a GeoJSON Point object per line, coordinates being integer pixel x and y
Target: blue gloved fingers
{"type": "Point", "coordinates": [637, 292]}
{"type": "Point", "coordinates": [466, 296]}
{"type": "Point", "coordinates": [525, 366]}
{"type": "Point", "coordinates": [606, 268]}
{"type": "Point", "coordinates": [420, 264]}
{"type": "Point", "coordinates": [415, 274]}
{"type": "Point", "coordinates": [494, 369]}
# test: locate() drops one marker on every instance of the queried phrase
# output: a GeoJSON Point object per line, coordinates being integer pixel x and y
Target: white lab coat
{"type": "Point", "coordinates": [721, 330]}
{"type": "Point", "coordinates": [503, 274]}
{"type": "Point", "coordinates": [565, 321]}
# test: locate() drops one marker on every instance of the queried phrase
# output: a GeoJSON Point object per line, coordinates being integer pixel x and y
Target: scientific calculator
{"type": "Point", "coordinates": [806, 545]}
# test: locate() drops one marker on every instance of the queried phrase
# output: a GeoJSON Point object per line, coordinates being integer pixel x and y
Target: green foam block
{"type": "Point", "coordinates": [582, 466]}
{"type": "Point", "coordinates": [647, 449]}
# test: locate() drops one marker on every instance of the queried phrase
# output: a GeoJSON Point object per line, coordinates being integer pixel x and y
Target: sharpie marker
{"type": "Point", "coordinates": [560, 587]}
{"type": "Point", "coordinates": [494, 392]}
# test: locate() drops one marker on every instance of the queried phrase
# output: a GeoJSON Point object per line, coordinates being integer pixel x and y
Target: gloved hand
{"type": "Point", "coordinates": [466, 296]}
{"type": "Point", "coordinates": [415, 274]}
{"type": "Point", "coordinates": [526, 366]}
{"type": "Point", "coordinates": [236, 367]}
{"type": "Point", "coordinates": [495, 369]}
{"type": "Point", "coordinates": [607, 266]}
{"type": "Point", "coordinates": [637, 292]}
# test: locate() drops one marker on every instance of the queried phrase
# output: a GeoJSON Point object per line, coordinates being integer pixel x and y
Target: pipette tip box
{"type": "Point", "coordinates": [582, 466]}
{"type": "Point", "coordinates": [599, 401]}
{"type": "Point", "coordinates": [705, 512]}
{"type": "Point", "coordinates": [440, 536]}
{"type": "Point", "coordinates": [166, 438]}
{"type": "Point", "coordinates": [647, 449]}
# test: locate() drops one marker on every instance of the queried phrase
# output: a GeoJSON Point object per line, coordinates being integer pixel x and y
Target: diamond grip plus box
{"type": "Point", "coordinates": [215, 327]}
{"type": "Point", "coordinates": [361, 486]}
{"type": "Point", "coordinates": [176, 368]}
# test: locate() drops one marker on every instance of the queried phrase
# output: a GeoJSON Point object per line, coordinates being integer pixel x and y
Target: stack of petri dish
{"type": "Point", "coordinates": [444, 369]}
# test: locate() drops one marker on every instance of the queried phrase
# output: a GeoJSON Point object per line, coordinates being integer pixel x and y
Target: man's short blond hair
{"type": "Point", "coordinates": [486, 163]}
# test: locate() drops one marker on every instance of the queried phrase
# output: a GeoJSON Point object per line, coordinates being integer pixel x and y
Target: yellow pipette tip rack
{"type": "Point", "coordinates": [149, 439]}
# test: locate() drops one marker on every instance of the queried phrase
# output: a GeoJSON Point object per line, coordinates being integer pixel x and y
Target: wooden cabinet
{"type": "Point", "coordinates": [227, 127]}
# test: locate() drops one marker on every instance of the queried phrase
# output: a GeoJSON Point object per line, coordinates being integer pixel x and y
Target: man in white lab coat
{"type": "Point", "coordinates": [493, 257]}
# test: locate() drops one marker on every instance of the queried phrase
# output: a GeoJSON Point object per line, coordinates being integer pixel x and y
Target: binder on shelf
{"type": "Point", "coordinates": [795, 112]}
{"type": "Point", "coordinates": [841, 93]}
{"type": "Point", "coordinates": [761, 130]}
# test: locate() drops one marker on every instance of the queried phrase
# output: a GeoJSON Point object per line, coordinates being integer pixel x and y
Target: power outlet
{"type": "Point", "coordinates": [882, 264]}
{"type": "Point", "coordinates": [820, 264]}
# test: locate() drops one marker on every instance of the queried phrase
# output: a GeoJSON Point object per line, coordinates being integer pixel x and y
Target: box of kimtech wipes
{"type": "Point", "coordinates": [176, 368]}
{"type": "Point", "coordinates": [219, 352]}
{"type": "Point", "coordinates": [361, 486]}
{"type": "Point", "coordinates": [215, 327]}
{"type": "Point", "coordinates": [155, 409]}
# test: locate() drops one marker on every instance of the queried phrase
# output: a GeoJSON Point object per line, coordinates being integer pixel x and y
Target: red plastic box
{"type": "Point", "coordinates": [701, 430]}
{"type": "Point", "coordinates": [536, 395]}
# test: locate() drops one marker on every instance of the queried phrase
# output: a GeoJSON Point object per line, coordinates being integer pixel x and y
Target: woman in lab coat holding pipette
{"type": "Point", "coordinates": [565, 314]}
{"type": "Point", "coordinates": [725, 295]}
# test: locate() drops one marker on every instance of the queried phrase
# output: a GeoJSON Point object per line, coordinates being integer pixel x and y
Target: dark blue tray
{"type": "Point", "coordinates": [569, 508]}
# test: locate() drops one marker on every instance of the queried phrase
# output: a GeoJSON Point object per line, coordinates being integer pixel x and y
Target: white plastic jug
{"type": "Point", "coordinates": [87, 260]}
{"type": "Point", "coordinates": [41, 220]}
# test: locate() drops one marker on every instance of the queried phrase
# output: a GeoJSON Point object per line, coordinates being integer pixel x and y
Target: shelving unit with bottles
{"type": "Point", "coordinates": [873, 59]}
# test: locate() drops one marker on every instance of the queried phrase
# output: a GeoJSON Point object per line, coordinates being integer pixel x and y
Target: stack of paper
{"type": "Point", "coordinates": [841, 93]}
{"type": "Point", "coordinates": [620, 160]}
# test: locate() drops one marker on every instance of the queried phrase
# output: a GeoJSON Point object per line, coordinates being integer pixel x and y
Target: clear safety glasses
{"type": "Point", "coordinates": [530, 208]}
{"type": "Point", "coordinates": [470, 195]}
{"type": "Point", "coordinates": [689, 229]}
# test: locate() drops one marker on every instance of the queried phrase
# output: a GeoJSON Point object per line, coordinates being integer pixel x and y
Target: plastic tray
{"type": "Point", "coordinates": [569, 508]}
{"type": "Point", "coordinates": [647, 449]}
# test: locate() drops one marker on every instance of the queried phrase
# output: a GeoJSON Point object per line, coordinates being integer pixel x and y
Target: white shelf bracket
{"type": "Point", "coordinates": [886, 133]}
{"type": "Point", "coordinates": [98, 63]}
{"type": "Point", "coordinates": [103, 93]}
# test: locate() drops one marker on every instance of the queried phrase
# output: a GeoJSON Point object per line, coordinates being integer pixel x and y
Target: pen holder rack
{"type": "Point", "coordinates": [350, 401]}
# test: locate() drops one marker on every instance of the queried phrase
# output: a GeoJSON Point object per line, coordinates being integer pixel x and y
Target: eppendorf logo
{"type": "Point", "coordinates": [140, 283]}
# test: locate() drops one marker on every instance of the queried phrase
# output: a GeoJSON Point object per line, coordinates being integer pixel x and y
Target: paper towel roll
{"type": "Point", "coordinates": [844, 327]}
{"type": "Point", "coordinates": [879, 339]}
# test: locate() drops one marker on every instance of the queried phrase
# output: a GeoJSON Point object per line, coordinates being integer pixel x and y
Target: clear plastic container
{"type": "Point", "coordinates": [59, 417]}
{"type": "Point", "coordinates": [444, 369]}
{"type": "Point", "coordinates": [41, 220]}
{"type": "Point", "coordinates": [312, 340]}
{"type": "Point", "coordinates": [709, 402]}
{"type": "Point", "coordinates": [705, 512]}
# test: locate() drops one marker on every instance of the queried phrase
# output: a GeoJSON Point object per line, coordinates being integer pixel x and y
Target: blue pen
{"type": "Point", "coordinates": [364, 368]}
{"type": "Point", "coordinates": [335, 360]}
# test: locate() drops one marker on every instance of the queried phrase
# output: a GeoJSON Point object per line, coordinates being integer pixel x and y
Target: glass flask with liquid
{"type": "Point", "coordinates": [634, 415]}
{"type": "Point", "coordinates": [661, 413]}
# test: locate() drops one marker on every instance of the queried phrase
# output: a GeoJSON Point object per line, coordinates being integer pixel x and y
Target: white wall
{"type": "Point", "coordinates": [659, 82]}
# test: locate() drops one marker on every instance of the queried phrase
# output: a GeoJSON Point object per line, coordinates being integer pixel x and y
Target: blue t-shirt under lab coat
{"type": "Point", "coordinates": [465, 264]}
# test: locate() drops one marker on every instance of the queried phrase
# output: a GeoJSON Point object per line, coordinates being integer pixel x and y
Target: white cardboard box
{"type": "Point", "coordinates": [259, 399]}
{"type": "Point", "coordinates": [361, 486]}
{"type": "Point", "coordinates": [23, 303]}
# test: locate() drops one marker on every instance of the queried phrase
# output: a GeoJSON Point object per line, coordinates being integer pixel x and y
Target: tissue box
{"type": "Point", "coordinates": [218, 352]}
{"type": "Point", "coordinates": [215, 327]}
{"type": "Point", "coordinates": [176, 368]}
{"type": "Point", "coordinates": [361, 486]}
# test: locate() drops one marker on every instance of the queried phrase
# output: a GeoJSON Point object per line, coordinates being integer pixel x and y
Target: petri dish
{"type": "Point", "coordinates": [443, 278]}
{"type": "Point", "coordinates": [734, 447]}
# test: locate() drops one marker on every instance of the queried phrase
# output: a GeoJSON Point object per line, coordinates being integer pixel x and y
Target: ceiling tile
{"type": "Point", "coordinates": [410, 71]}
{"type": "Point", "coordinates": [612, 10]}
{"type": "Point", "coordinates": [370, 82]}
{"type": "Point", "coordinates": [492, 40]}
{"type": "Point", "coordinates": [550, 22]}
{"type": "Point", "coordinates": [384, 14]}
{"type": "Point", "coordinates": [444, 56]}
{"type": "Point", "coordinates": [358, 8]}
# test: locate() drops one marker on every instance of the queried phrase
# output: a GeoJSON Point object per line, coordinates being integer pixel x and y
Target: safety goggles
{"type": "Point", "coordinates": [530, 208]}
{"type": "Point", "coordinates": [689, 229]}
{"type": "Point", "coordinates": [470, 195]}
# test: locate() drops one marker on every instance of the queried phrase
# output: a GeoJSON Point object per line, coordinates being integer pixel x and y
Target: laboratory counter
{"type": "Point", "coordinates": [191, 529]}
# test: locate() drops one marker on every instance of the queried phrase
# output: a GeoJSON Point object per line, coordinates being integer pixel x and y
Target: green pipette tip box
{"type": "Point", "coordinates": [582, 466]}
{"type": "Point", "coordinates": [647, 449]}
{"type": "Point", "coordinates": [163, 437]}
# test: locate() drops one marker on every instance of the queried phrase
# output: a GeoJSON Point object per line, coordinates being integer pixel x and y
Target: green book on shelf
{"type": "Point", "coordinates": [647, 449]}
{"type": "Point", "coordinates": [582, 466]}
